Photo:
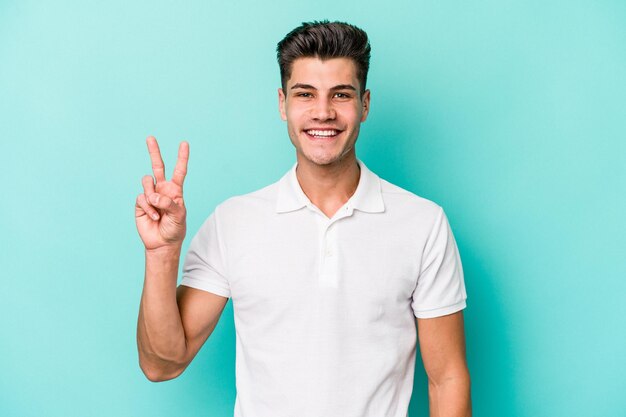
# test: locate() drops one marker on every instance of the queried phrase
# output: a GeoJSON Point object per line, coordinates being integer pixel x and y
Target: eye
{"type": "Point", "coordinates": [304, 94]}
{"type": "Point", "coordinates": [342, 95]}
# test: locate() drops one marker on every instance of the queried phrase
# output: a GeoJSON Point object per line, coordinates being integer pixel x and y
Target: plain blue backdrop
{"type": "Point", "coordinates": [511, 115]}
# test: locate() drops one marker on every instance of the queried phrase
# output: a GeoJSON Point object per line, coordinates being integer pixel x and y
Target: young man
{"type": "Point", "coordinates": [329, 269]}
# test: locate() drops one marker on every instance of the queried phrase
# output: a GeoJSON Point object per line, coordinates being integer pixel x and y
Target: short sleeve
{"type": "Point", "coordinates": [440, 288]}
{"type": "Point", "coordinates": [204, 266]}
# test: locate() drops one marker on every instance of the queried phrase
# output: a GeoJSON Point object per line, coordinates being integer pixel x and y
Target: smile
{"type": "Point", "coordinates": [322, 133]}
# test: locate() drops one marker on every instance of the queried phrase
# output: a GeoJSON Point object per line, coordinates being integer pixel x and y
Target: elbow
{"type": "Point", "coordinates": [155, 375]}
{"type": "Point", "coordinates": [160, 370]}
{"type": "Point", "coordinates": [159, 375]}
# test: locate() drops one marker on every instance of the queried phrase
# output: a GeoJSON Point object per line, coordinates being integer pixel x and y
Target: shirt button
{"type": "Point", "coordinates": [329, 253]}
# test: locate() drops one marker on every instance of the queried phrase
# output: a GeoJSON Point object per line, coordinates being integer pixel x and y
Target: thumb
{"type": "Point", "coordinates": [165, 203]}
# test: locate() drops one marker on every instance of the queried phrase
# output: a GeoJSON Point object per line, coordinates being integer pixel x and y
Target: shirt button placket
{"type": "Point", "coordinates": [328, 270]}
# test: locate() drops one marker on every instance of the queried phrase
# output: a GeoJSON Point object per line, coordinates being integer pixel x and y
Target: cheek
{"type": "Point", "coordinates": [352, 112]}
{"type": "Point", "coordinates": [354, 118]}
{"type": "Point", "coordinates": [293, 125]}
{"type": "Point", "coordinates": [295, 117]}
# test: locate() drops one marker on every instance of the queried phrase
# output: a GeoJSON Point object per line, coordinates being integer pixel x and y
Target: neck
{"type": "Point", "coordinates": [329, 186]}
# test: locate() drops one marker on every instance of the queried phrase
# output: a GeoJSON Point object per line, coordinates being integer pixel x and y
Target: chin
{"type": "Point", "coordinates": [323, 159]}
{"type": "Point", "coordinates": [321, 155]}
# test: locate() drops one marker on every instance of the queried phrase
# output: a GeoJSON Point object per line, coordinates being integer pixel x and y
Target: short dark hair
{"type": "Point", "coordinates": [324, 40]}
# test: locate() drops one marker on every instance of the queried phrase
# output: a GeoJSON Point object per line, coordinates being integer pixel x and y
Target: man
{"type": "Point", "coordinates": [329, 269]}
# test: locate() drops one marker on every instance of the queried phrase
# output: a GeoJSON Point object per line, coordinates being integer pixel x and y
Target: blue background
{"type": "Point", "coordinates": [511, 115]}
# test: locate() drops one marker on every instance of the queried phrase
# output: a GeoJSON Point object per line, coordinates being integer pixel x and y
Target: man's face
{"type": "Point", "coordinates": [323, 108]}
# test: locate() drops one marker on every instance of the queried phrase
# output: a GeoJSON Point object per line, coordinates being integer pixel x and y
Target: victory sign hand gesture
{"type": "Point", "coordinates": [160, 212]}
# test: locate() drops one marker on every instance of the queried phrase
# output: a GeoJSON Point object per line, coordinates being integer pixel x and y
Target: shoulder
{"type": "Point", "coordinates": [257, 202]}
{"type": "Point", "coordinates": [398, 199]}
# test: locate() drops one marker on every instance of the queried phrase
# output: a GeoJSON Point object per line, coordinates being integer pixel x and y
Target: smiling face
{"type": "Point", "coordinates": [324, 109]}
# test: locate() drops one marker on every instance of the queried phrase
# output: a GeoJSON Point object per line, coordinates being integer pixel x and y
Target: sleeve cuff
{"type": "Point", "coordinates": [443, 311]}
{"type": "Point", "coordinates": [205, 286]}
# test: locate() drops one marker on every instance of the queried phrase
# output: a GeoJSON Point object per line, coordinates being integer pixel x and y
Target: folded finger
{"type": "Point", "coordinates": [144, 205]}
{"type": "Point", "coordinates": [180, 171]}
{"type": "Point", "coordinates": [166, 204]}
{"type": "Point", "coordinates": [148, 185]}
{"type": "Point", "coordinates": [158, 168]}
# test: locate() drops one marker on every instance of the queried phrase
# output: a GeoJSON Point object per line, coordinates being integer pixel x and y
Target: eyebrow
{"type": "Point", "coordinates": [337, 87]}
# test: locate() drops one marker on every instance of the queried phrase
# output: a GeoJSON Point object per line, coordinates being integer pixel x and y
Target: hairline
{"type": "Point", "coordinates": [361, 90]}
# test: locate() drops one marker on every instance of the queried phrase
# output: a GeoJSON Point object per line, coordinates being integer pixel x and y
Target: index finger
{"type": "Point", "coordinates": [155, 156]}
{"type": "Point", "coordinates": [181, 164]}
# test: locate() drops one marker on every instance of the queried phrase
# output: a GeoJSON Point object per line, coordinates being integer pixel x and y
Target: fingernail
{"type": "Point", "coordinates": [154, 198]}
{"type": "Point", "coordinates": [155, 216]}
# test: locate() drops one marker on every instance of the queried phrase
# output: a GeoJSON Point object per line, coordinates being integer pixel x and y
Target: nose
{"type": "Point", "coordinates": [323, 110]}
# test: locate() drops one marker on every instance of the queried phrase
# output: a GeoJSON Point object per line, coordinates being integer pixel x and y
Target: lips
{"type": "Point", "coordinates": [322, 134]}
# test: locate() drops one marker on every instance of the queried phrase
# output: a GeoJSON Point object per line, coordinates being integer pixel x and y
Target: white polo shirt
{"type": "Point", "coordinates": [325, 308]}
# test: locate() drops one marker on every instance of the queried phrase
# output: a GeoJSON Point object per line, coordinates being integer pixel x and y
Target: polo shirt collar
{"type": "Point", "coordinates": [367, 197]}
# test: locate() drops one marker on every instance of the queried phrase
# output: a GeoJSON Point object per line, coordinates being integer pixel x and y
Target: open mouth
{"type": "Point", "coordinates": [321, 134]}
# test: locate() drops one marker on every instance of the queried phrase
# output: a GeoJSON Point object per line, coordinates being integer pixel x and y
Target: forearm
{"type": "Point", "coordinates": [450, 397]}
{"type": "Point", "coordinates": [160, 334]}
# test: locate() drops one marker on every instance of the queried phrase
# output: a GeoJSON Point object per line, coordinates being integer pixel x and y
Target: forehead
{"type": "Point", "coordinates": [323, 73]}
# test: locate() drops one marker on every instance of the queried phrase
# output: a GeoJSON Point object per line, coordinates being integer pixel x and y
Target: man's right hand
{"type": "Point", "coordinates": [173, 322]}
{"type": "Point", "coordinates": [160, 212]}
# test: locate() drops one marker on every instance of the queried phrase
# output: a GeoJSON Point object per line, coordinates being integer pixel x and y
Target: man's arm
{"type": "Point", "coordinates": [173, 323]}
{"type": "Point", "coordinates": [442, 343]}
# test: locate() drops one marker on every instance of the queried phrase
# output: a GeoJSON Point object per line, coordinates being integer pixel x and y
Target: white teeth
{"type": "Point", "coordinates": [324, 133]}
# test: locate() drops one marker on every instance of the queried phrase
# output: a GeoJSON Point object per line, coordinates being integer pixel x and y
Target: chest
{"type": "Point", "coordinates": [360, 268]}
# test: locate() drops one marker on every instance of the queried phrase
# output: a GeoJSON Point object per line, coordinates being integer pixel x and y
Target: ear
{"type": "Point", "coordinates": [365, 103]}
{"type": "Point", "coordinates": [281, 104]}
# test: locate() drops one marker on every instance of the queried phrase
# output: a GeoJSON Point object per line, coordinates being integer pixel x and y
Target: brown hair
{"type": "Point", "coordinates": [324, 40]}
